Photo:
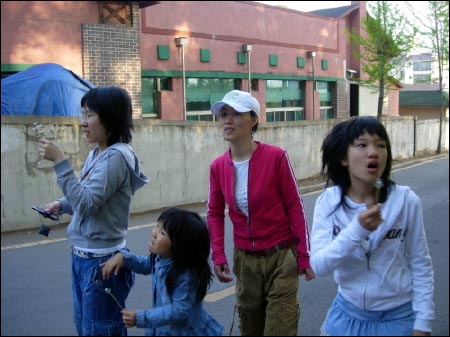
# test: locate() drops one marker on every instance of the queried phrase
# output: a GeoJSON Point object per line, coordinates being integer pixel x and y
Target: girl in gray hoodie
{"type": "Point", "coordinates": [99, 202]}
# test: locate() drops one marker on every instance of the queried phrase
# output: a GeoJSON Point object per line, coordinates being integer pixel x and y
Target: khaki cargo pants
{"type": "Point", "coordinates": [266, 291]}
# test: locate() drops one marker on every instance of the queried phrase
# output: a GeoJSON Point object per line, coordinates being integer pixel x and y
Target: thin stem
{"type": "Point", "coordinates": [108, 291]}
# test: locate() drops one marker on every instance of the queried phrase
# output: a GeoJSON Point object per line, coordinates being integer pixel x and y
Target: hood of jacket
{"type": "Point", "coordinates": [138, 179]}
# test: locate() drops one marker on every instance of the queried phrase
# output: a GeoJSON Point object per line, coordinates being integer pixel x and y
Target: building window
{"type": "Point", "coordinates": [255, 84]}
{"type": "Point", "coordinates": [422, 66]}
{"type": "Point", "coordinates": [284, 100]}
{"type": "Point", "coordinates": [6, 74]}
{"type": "Point", "coordinates": [202, 93]}
{"type": "Point", "coordinates": [283, 115]}
{"type": "Point", "coordinates": [11, 69]}
{"type": "Point", "coordinates": [326, 113]}
{"type": "Point", "coordinates": [164, 83]}
{"type": "Point", "coordinates": [422, 78]}
{"type": "Point", "coordinates": [149, 90]}
{"type": "Point", "coordinates": [325, 90]}
{"type": "Point", "coordinates": [148, 95]}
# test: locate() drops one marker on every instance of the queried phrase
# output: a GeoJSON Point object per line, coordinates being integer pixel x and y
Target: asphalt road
{"type": "Point", "coordinates": [35, 273]}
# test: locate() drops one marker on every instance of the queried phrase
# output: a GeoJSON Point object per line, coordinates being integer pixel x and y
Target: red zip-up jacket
{"type": "Point", "coordinates": [275, 206]}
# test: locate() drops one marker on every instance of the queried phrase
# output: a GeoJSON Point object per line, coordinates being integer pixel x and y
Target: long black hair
{"type": "Point", "coordinates": [190, 248]}
{"type": "Point", "coordinates": [334, 151]}
{"type": "Point", "coordinates": [113, 106]}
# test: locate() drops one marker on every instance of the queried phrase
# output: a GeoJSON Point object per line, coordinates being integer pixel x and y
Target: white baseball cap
{"type": "Point", "coordinates": [240, 101]}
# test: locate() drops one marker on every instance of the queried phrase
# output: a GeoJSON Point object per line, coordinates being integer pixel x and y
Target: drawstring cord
{"type": "Point", "coordinates": [232, 322]}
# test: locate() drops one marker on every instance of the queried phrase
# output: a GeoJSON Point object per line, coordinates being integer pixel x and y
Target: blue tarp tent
{"type": "Point", "coordinates": [44, 90]}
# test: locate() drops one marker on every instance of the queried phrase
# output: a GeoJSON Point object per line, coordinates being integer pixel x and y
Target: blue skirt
{"type": "Point", "coordinates": [345, 319]}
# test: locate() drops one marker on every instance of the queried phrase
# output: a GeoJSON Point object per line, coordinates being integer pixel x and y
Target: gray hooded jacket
{"type": "Point", "coordinates": [100, 201]}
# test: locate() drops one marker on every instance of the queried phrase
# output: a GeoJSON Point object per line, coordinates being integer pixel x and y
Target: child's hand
{"type": "Point", "coordinates": [129, 318]}
{"type": "Point", "coordinates": [112, 265]}
{"type": "Point", "coordinates": [371, 218]}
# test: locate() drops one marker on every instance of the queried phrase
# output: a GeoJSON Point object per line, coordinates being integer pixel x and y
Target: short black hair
{"type": "Point", "coordinates": [113, 106]}
{"type": "Point", "coordinates": [190, 248]}
{"type": "Point", "coordinates": [336, 144]}
{"type": "Point", "coordinates": [255, 127]}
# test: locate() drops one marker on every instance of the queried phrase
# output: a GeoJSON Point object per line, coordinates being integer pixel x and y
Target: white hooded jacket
{"type": "Point", "coordinates": [377, 270]}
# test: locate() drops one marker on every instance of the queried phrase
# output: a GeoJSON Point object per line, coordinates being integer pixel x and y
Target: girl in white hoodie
{"type": "Point", "coordinates": [373, 239]}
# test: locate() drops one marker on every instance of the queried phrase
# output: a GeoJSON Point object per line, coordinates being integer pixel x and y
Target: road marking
{"type": "Point", "coordinates": [30, 244]}
{"type": "Point", "coordinates": [212, 297]}
{"type": "Point", "coordinates": [45, 242]}
{"type": "Point", "coordinates": [219, 295]}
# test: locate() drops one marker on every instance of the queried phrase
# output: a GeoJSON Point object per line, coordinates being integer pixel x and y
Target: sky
{"type": "Point", "coordinates": [307, 6]}
{"type": "Point", "coordinates": [419, 7]}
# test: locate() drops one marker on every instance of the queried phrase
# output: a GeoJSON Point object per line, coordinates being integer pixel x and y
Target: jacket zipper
{"type": "Point", "coordinates": [248, 206]}
{"type": "Point", "coordinates": [367, 278]}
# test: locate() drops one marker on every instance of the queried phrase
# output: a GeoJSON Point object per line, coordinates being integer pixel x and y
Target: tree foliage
{"type": "Point", "coordinates": [382, 47]}
{"type": "Point", "coordinates": [435, 33]}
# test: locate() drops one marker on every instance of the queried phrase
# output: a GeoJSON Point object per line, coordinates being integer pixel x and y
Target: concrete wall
{"type": "Point", "coordinates": [422, 112]}
{"type": "Point", "coordinates": [175, 155]}
{"type": "Point", "coordinates": [427, 132]}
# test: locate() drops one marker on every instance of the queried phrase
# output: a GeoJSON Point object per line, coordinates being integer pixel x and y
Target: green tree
{"type": "Point", "coordinates": [435, 34]}
{"type": "Point", "coordinates": [385, 39]}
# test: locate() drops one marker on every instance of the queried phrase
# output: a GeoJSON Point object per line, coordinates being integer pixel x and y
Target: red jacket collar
{"type": "Point", "coordinates": [255, 153]}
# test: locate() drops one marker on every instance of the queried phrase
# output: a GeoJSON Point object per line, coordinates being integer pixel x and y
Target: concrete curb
{"type": "Point", "coordinates": [418, 161]}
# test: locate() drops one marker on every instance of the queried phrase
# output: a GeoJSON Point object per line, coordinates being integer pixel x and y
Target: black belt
{"type": "Point", "coordinates": [272, 250]}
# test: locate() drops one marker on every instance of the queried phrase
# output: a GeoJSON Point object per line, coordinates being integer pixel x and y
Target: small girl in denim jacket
{"type": "Point", "coordinates": [178, 262]}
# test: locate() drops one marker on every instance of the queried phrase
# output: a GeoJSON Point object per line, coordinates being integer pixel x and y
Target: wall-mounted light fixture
{"type": "Point", "coordinates": [351, 73]}
{"type": "Point", "coordinates": [311, 53]}
{"type": "Point", "coordinates": [247, 48]}
{"type": "Point", "coordinates": [181, 42]}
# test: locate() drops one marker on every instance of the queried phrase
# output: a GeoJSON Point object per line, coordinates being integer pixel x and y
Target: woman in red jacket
{"type": "Point", "coordinates": [270, 230]}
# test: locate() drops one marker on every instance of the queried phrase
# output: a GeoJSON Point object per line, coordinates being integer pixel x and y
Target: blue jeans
{"type": "Point", "coordinates": [95, 312]}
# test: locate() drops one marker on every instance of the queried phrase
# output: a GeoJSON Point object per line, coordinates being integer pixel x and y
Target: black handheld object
{"type": "Point", "coordinates": [44, 230]}
{"type": "Point", "coordinates": [44, 213]}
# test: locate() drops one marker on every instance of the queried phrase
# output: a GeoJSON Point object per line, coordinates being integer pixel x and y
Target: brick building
{"type": "Point", "coordinates": [176, 58]}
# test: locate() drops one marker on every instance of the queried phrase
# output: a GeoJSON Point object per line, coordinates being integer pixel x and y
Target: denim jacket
{"type": "Point", "coordinates": [177, 315]}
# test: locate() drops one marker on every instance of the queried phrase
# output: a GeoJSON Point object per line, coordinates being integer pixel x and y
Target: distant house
{"type": "Point", "coordinates": [423, 101]}
{"type": "Point", "coordinates": [418, 69]}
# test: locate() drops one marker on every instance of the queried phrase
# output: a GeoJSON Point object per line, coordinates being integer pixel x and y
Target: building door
{"type": "Point", "coordinates": [354, 100]}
